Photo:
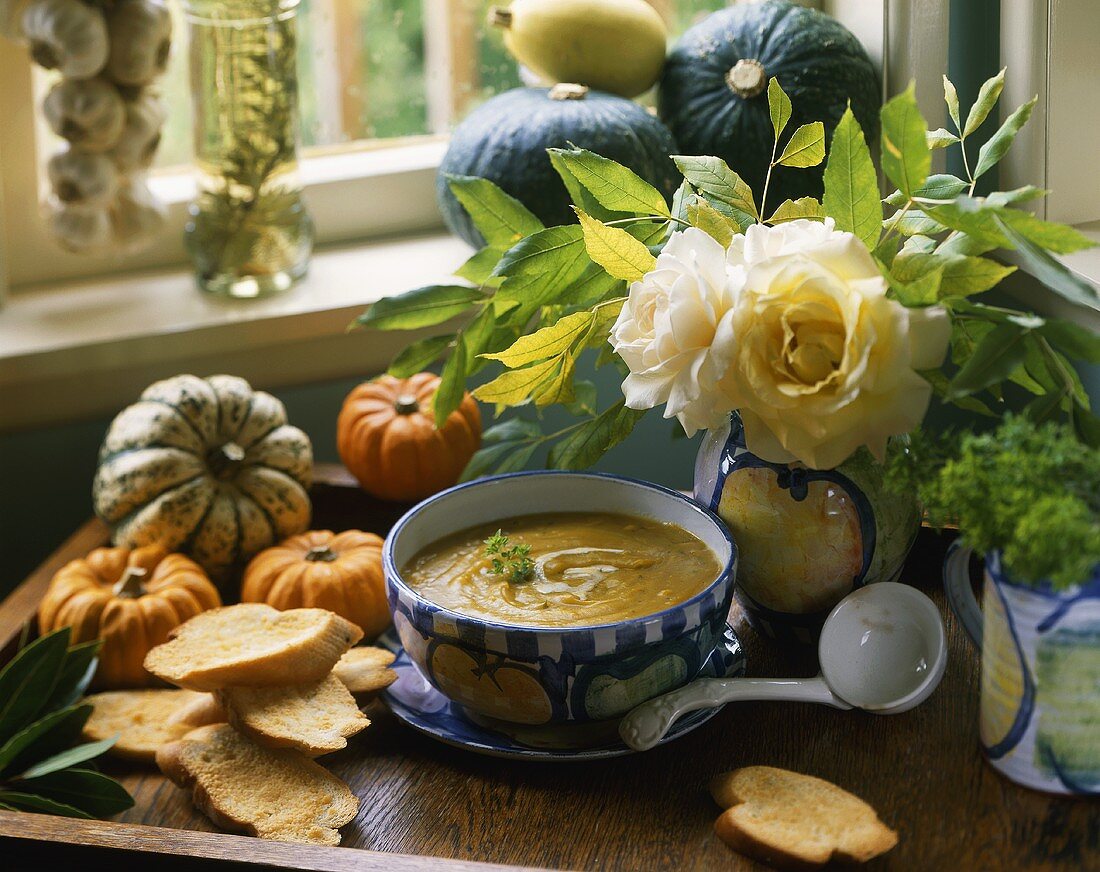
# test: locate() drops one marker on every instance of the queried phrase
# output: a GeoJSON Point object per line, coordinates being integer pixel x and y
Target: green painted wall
{"type": "Point", "coordinates": [46, 474]}
{"type": "Point", "coordinates": [974, 54]}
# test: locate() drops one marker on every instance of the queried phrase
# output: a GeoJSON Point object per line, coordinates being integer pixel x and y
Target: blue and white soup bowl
{"type": "Point", "coordinates": [561, 675]}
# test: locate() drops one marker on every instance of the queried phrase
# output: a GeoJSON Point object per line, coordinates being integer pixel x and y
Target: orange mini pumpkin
{"type": "Point", "coordinates": [340, 572]}
{"type": "Point", "coordinates": [131, 599]}
{"type": "Point", "coordinates": [387, 437]}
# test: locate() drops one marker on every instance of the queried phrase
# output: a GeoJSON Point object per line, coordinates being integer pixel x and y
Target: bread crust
{"type": "Point", "coordinates": [796, 821]}
{"type": "Point", "coordinates": [313, 640]}
{"type": "Point", "coordinates": [143, 720]}
{"type": "Point", "coordinates": [365, 670]}
{"type": "Point", "coordinates": [315, 718]}
{"type": "Point", "coordinates": [202, 711]}
{"type": "Point", "coordinates": [234, 765]}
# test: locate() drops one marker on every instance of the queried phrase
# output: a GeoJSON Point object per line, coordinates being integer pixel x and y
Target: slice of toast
{"type": "Point", "coordinates": [252, 645]}
{"type": "Point", "coordinates": [365, 670]}
{"type": "Point", "coordinates": [203, 710]}
{"type": "Point", "coordinates": [362, 670]}
{"type": "Point", "coordinates": [795, 821]}
{"type": "Point", "coordinates": [273, 794]}
{"type": "Point", "coordinates": [142, 720]}
{"type": "Point", "coordinates": [315, 718]}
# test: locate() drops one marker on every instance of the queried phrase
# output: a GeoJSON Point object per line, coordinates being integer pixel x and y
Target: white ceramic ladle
{"type": "Point", "coordinates": [882, 649]}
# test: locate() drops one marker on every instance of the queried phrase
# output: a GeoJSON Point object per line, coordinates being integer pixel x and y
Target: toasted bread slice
{"type": "Point", "coordinates": [314, 718]}
{"type": "Point", "coordinates": [252, 645]}
{"type": "Point", "coordinates": [273, 794]}
{"type": "Point", "coordinates": [365, 670]}
{"type": "Point", "coordinates": [142, 720]}
{"type": "Point", "coordinates": [203, 710]}
{"type": "Point", "coordinates": [796, 821]}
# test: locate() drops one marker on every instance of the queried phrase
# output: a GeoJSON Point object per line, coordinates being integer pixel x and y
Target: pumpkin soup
{"type": "Point", "coordinates": [565, 569]}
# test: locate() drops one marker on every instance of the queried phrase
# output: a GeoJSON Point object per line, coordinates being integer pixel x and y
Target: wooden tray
{"type": "Point", "coordinates": [420, 799]}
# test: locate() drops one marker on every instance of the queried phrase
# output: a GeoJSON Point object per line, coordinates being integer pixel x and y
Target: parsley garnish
{"type": "Point", "coordinates": [512, 561]}
{"type": "Point", "coordinates": [1031, 490]}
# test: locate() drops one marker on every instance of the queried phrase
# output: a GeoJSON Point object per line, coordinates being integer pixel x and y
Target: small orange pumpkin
{"type": "Point", "coordinates": [387, 437]}
{"type": "Point", "coordinates": [340, 572]}
{"type": "Point", "coordinates": [131, 599]}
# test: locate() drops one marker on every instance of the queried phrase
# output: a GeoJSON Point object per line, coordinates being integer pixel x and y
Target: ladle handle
{"type": "Point", "coordinates": [646, 725]}
{"type": "Point", "coordinates": [960, 593]}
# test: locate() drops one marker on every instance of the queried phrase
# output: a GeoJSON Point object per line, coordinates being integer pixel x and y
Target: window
{"type": "Point", "coordinates": [381, 84]}
{"type": "Point", "coordinates": [1054, 56]}
{"type": "Point", "coordinates": [1050, 45]}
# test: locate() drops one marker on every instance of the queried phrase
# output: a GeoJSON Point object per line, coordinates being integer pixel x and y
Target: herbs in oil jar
{"type": "Point", "coordinates": [249, 234]}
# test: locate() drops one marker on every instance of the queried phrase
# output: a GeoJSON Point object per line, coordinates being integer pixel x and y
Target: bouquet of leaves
{"type": "Point", "coordinates": [825, 323]}
{"type": "Point", "coordinates": [42, 766]}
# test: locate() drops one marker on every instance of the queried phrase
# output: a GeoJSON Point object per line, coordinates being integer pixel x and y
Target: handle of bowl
{"type": "Point", "coordinates": [646, 725]}
{"type": "Point", "coordinates": [960, 593]}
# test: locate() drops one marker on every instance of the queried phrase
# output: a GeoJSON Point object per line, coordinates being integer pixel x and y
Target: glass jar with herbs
{"type": "Point", "coordinates": [249, 233]}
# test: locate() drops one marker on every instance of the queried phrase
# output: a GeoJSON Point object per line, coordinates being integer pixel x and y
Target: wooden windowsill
{"type": "Point", "coordinates": [84, 349]}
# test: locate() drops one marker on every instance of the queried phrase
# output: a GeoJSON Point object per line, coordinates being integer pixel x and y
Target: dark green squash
{"type": "Point", "coordinates": [713, 110]}
{"type": "Point", "coordinates": [505, 140]}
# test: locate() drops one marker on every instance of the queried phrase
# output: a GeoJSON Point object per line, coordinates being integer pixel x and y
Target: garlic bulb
{"type": "Point", "coordinates": [137, 145]}
{"type": "Point", "coordinates": [68, 36]}
{"type": "Point", "coordinates": [135, 215]}
{"type": "Point", "coordinates": [89, 113]}
{"type": "Point", "coordinates": [11, 18]}
{"type": "Point", "coordinates": [81, 228]}
{"type": "Point", "coordinates": [78, 177]}
{"type": "Point", "coordinates": [140, 33]}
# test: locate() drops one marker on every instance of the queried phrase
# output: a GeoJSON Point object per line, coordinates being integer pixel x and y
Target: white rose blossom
{"type": "Point", "coordinates": [796, 332]}
{"type": "Point", "coordinates": [675, 331]}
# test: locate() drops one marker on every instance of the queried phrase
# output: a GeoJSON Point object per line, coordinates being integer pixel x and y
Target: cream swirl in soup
{"type": "Point", "coordinates": [573, 569]}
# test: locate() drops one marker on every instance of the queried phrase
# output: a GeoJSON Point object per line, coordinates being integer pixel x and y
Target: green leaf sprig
{"type": "Point", "coordinates": [42, 765]}
{"type": "Point", "coordinates": [1030, 490]}
{"type": "Point", "coordinates": [513, 561]}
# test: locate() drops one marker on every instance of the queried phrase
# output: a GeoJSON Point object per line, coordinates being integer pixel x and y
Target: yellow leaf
{"type": "Point", "coordinates": [603, 319]}
{"type": "Point", "coordinates": [623, 256]}
{"type": "Point", "coordinates": [806, 147]}
{"type": "Point", "coordinates": [516, 386]}
{"type": "Point", "coordinates": [712, 222]}
{"type": "Point", "coordinates": [550, 341]}
{"type": "Point", "coordinates": [803, 207]}
{"type": "Point", "coordinates": [560, 388]}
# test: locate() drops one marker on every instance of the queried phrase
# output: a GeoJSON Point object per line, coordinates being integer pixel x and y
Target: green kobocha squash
{"type": "Point", "coordinates": [505, 140]}
{"type": "Point", "coordinates": [713, 93]}
{"type": "Point", "coordinates": [206, 466]}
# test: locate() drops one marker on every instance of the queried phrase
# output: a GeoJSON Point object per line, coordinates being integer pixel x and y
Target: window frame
{"type": "Point", "coordinates": [359, 190]}
{"type": "Point", "coordinates": [1048, 47]}
{"type": "Point", "coordinates": [370, 189]}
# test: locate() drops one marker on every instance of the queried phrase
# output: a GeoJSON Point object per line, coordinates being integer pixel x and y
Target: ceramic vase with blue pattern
{"type": "Point", "coordinates": [1039, 722]}
{"type": "Point", "coordinates": [806, 537]}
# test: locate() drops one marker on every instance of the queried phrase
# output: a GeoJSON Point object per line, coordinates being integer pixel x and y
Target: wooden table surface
{"type": "Point", "coordinates": [921, 770]}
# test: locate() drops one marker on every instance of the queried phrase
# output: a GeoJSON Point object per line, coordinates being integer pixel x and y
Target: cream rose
{"type": "Point", "coordinates": [675, 331]}
{"type": "Point", "coordinates": [821, 361]}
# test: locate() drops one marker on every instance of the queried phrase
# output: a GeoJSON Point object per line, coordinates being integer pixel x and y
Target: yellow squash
{"type": "Point", "coordinates": [609, 45]}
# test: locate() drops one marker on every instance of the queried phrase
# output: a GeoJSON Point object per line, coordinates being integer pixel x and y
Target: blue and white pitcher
{"type": "Point", "coordinates": [1040, 686]}
{"type": "Point", "coordinates": [806, 537]}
